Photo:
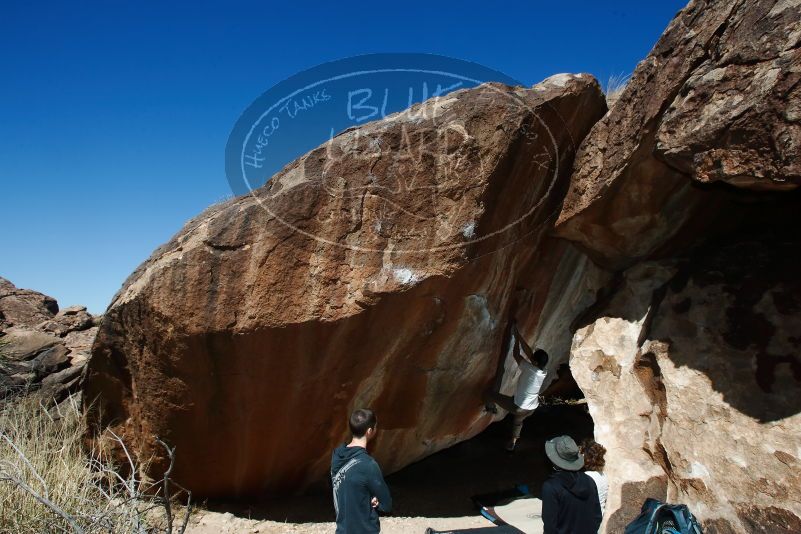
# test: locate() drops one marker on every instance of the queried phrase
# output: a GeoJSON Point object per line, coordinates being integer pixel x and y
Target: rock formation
{"type": "Point", "coordinates": [692, 378]}
{"type": "Point", "coordinates": [716, 101]}
{"type": "Point", "coordinates": [42, 348]}
{"type": "Point", "coordinates": [691, 365]}
{"type": "Point", "coordinates": [23, 306]}
{"type": "Point", "coordinates": [377, 270]}
{"type": "Point", "coordinates": [380, 269]}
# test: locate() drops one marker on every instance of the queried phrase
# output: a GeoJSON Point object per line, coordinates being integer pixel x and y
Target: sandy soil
{"type": "Point", "coordinates": [215, 523]}
{"type": "Point", "coordinates": [435, 492]}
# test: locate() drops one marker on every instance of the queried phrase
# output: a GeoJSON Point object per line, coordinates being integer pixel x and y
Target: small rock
{"type": "Point", "coordinates": [16, 383]}
{"type": "Point", "coordinates": [71, 310]}
{"type": "Point", "coordinates": [25, 344]}
{"type": "Point", "coordinates": [58, 386]}
{"type": "Point", "coordinates": [24, 307]}
{"type": "Point", "coordinates": [62, 377]}
{"type": "Point", "coordinates": [75, 320]}
{"type": "Point", "coordinates": [81, 340]}
{"type": "Point", "coordinates": [51, 360]}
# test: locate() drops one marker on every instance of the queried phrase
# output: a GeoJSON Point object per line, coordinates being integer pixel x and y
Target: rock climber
{"type": "Point", "coordinates": [527, 394]}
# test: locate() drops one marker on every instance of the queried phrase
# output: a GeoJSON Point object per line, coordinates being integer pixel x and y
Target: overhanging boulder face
{"type": "Point", "coordinates": [377, 270]}
{"type": "Point", "coordinates": [716, 103]}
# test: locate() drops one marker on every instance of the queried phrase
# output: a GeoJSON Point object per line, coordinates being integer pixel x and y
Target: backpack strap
{"type": "Point", "coordinates": [350, 463]}
{"type": "Point", "coordinates": [651, 528]}
{"type": "Point", "coordinates": [685, 519]}
{"type": "Point", "coordinates": [336, 480]}
{"type": "Point", "coordinates": [680, 513]}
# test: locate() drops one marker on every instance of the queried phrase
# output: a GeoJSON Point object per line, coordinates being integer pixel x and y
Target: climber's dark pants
{"type": "Point", "coordinates": [507, 403]}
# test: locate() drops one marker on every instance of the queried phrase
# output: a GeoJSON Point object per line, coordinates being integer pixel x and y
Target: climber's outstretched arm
{"type": "Point", "coordinates": [520, 342]}
{"type": "Point", "coordinates": [516, 347]}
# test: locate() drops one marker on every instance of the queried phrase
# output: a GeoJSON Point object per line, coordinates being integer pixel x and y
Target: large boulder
{"type": "Point", "coordinates": [716, 102]}
{"type": "Point", "coordinates": [692, 376]}
{"type": "Point", "coordinates": [377, 270]}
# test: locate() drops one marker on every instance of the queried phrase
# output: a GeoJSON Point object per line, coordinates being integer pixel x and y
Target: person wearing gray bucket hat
{"type": "Point", "coordinates": [569, 497]}
{"type": "Point", "coordinates": [564, 453]}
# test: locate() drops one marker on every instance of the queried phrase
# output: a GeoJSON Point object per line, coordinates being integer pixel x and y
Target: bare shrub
{"type": "Point", "coordinates": [50, 483]}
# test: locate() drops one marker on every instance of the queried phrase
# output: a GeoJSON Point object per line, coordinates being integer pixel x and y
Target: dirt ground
{"type": "Point", "coordinates": [435, 492]}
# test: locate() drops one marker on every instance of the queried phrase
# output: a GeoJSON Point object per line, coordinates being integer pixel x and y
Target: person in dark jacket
{"type": "Point", "coordinates": [569, 497]}
{"type": "Point", "coordinates": [359, 487]}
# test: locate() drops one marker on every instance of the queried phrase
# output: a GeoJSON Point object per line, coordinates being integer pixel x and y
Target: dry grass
{"type": "Point", "coordinates": [614, 88]}
{"type": "Point", "coordinates": [48, 483]}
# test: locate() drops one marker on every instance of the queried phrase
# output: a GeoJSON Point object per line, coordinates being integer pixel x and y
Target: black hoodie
{"type": "Point", "coordinates": [357, 478]}
{"type": "Point", "coordinates": [570, 504]}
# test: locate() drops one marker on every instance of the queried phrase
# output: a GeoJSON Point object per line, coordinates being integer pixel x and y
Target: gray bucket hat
{"type": "Point", "coordinates": [564, 453]}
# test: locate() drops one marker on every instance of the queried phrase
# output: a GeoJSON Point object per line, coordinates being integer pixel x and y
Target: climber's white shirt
{"type": "Point", "coordinates": [529, 385]}
{"type": "Point", "coordinates": [602, 484]}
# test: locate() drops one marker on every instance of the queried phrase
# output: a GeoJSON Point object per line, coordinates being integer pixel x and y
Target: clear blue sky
{"type": "Point", "coordinates": [114, 116]}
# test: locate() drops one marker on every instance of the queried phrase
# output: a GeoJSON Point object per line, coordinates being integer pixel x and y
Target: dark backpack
{"type": "Point", "coordinates": [659, 518]}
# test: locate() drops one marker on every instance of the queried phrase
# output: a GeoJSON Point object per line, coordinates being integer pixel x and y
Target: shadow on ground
{"type": "Point", "coordinates": [442, 484]}
{"type": "Point", "coordinates": [505, 529]}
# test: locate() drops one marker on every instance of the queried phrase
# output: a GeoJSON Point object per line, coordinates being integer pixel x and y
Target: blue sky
{"type": "Point", "coordinates": [114, 116]}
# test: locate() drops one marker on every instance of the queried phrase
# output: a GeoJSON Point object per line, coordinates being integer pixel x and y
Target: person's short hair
{"type": "Point", "coordinates": [594, 454]}
{"type": "Point", "coordinates": [361, 421]}
{"type": "Point", "coordinates": [540, 358]}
